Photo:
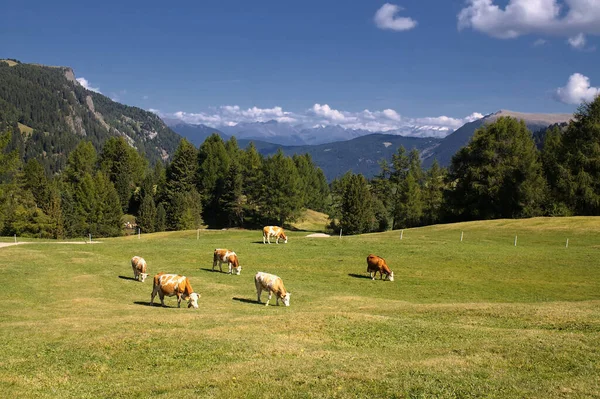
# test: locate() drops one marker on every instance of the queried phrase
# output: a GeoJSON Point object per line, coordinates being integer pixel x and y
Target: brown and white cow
{"type": "Point", "coordinates": [377, 264]}
{"type": "Point", "coordinates": [273, 231]}
{"type": "Point", "coordinates": [138, 264]}
{"type": "Point", "coordinates": [273, 284]}
{"type": "Point", "coordinates": [226, 256]}
{"type": "Point", "coordinates": [174, 284]}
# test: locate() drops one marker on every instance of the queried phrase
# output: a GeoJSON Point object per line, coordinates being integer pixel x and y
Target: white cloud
{"type": "Point", "coordinates": [539, 42]}
{"type": "Point", "coordinates": [577, 90]}
{"type": "Point", "coordinates": [145, 97]}
{"type": "Point", "coordinates": [386, 18]}
{"type": "Point", "coordinates": [577, 42]}
{"type": "Point", "coordinates": [387, 120]}
{"type": "Point", "coordinates": [87, 85]}
{"type": "Point", "coordinates": [326, 112]}
{"type": "Point", "coordinates": [521, 17]}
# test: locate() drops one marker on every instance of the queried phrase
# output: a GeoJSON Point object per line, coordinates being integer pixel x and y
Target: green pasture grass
{"type": "Point", "coordinates": [477, 318]}
{"type": "Point", "coordinates": [312, 221]}
{"type": "Point", "coordinates": [24, 129]}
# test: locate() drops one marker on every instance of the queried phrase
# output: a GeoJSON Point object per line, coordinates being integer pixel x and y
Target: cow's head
{"type": "Point", "coordinates": [237, 270]}
{"type": "Point", "coordinates": [143, 276]}
{"type": "Point", "coordinates": [284, 237]}
{"type": "Point", "coordinates": [286, 299]}
{"type": "Point", "coordinates": [193, 300]}
{"type": "Point", "coordinates": [391, 276]}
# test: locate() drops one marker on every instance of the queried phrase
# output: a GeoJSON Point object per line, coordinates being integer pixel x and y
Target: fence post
{"type": "Point", "coordinates": [461, 235]}
{"type": "Point", "coordinates": [90, 234]}
{"type": "Point", "coordinates": [340, 233]}
{"type": "Point", "coordinates": [198, 234]}
{"type": "Point", "coordinates": [15, 238]}
{"type": "Point", "coordinates": [401, 233]}
{"type": "Point", "coordinates": [515, 241]}
{"type": "Point", "coordinates": [139, 233]}
{"type": "Point", "coordinates": [567, 245]}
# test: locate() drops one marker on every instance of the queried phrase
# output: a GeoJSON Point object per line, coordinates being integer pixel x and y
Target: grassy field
{"type": "Point", "coordinates": [478, 318]}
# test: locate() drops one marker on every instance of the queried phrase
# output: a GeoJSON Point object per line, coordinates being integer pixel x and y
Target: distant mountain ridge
{"type": "Point", "coordinates": [362, 153]}
{"type": "Point", "coordinates": [288, 134]}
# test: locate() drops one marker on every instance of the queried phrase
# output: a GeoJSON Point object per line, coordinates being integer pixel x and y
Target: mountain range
{"type": "Point", "coordinates": [286, 134]}
{"type": "Point", "coordinates": [52, 112]}
{"type": "Point", "coordinates": [362, 152]}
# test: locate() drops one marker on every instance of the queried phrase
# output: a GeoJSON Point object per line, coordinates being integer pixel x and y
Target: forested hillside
{"type": "Point", "coordinates": [49, 113]}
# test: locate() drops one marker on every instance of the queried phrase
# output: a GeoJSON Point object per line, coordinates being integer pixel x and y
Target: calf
{"type": "Point", "coordinates": [273, 284]}
{"type": "Point", "coordinates": [273, 231]}
{"type": "Point", "coordinates": [138, 264]}
{"type": "Point", "coordinates": [377, 264]}
{"type": "Point", "coordinates": [225, 255]}
{"type": "Point", "coordinates": [174, 284]}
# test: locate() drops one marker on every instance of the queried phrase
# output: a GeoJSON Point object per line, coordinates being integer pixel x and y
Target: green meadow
{"type": "Point", "coordinates": [477, 318]}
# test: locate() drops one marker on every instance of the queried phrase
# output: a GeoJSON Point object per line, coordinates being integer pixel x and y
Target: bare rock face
{"type": "Point", "coordinates": [98, 115]}
{"type": "Point", "coordinates": [70, 75]}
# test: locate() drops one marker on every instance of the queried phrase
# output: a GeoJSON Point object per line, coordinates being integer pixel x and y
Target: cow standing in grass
{"type": "Point", "coordinates": [377, 264]}
{"type": "Point", "coordinates": [138, 264]}
{"type": "Point", "coordinates": [273, 231]}
{"type": "Point", "coordinates": [226, 256]}
{"type": "Point", "coordinates": [174, 284]}
{"type": "Point", "coordinates": [273, 284]}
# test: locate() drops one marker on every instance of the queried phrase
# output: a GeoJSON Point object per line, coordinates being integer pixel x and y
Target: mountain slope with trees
{"type": "Point", "coordinates": [48, 113]}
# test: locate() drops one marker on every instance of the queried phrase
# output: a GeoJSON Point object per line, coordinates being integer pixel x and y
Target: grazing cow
{"type": "Point", "coordinates": [273, 284]}
{"type": "Point", "coordinates": [273, 231]}
{"type": "Point", "coordinates": [138, 264]}
{"type": "Point", "coordinates": [225, 255]}
{"type": "Point", "coordinates": [174, 284]}
{"type": "Point", "coordinates": [377, 264]}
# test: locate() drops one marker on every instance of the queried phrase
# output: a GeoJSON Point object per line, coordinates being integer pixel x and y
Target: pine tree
{"type": "Point", "coordinates": [124, 167]}
{"type": "Point", "coordinates": [410, 204]}
{"type": "Point", "coordinates": [282, 201]}
{"type": "Point", "coordinates": [180, 179]}
{"type": "Point", "coordinates": [497, 175]}
{"type": "Point", "coordinates": [433, 194]}
{"type": "Point", "coordinates": [146, 220]}
{"type": "Point", "coordinates": [252, 170]}
{"type": "Point", "coordinates": [557, 175]}
{"type": "Point", "coordinates": [81, 160]}
{"type": "Point", "coordinates": [233, 201]}
{"type": "Point", "coordinates": [356, 209]}
{"type": "Point", "coordinates": [161, 218]}
{"type": "Point", "coordinates": [213, 165]}
{"type": "Point", "coordinates": [107, 213]}
{"type": "Point", "coordinates": [578, 175]}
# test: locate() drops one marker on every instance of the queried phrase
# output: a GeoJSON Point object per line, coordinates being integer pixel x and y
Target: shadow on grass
{"type": "Point", "coordinates": [246, 300]}
{"type": "Point", "coordinates": [158, 305]}
{"type": "Point", "coordinates": [211, 270]}
{"type": "Point", "coordinates": [359, 276]}
{"type": "Point", "coordinates": [127, 278]}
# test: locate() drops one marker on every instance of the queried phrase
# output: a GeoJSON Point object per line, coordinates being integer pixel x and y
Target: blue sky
{"type": "Point", "coordinates": [224, 61]}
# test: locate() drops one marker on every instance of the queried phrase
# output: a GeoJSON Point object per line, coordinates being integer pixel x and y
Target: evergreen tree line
{"type": "Point", "coordinates": [501, 173]}
{"type": "Point", "coordinates": [218, 184]}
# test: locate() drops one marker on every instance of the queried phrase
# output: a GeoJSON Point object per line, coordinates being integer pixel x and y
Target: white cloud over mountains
{"type": "Point", "coordinates": [567, 18]}
{"type": "Point", "coordinates": [577, 90]}
{"type": "Point", "coordinates": [386, 120]}
{"type": "Point", "coordinates": [387, 18]}
{"type": "Point", "coordinates": [87, 85]}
